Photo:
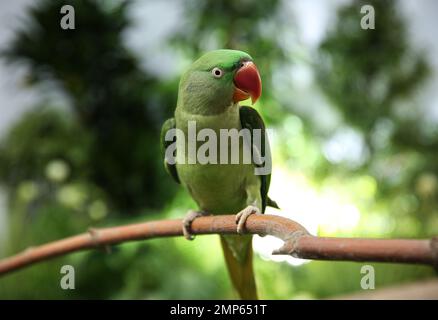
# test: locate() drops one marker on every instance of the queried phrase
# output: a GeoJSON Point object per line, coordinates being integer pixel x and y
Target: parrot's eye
{"type": "Point", "coordinates": [217, 73]}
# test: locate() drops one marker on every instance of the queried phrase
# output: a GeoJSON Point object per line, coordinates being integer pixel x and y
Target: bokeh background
{"type": "Point", "coordinates": [354, 115]}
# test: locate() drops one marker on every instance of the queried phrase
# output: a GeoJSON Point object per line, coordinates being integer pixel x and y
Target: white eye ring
{"type": "Point", "coordinates": [217, 72]}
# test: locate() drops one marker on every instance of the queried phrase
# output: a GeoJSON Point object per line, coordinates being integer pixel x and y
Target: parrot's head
{"type": "Point", "coordinates": [218, 80]}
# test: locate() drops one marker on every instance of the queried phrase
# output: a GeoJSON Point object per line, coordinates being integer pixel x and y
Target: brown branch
{"type": "Point", "coordinates": [298, 242]}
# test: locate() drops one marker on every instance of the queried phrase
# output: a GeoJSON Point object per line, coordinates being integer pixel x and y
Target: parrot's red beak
{"type": "Point", "coordinates": [247, 83]}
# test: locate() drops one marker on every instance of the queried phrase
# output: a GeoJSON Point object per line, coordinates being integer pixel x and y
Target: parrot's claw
{"type": "Point", "coordinates": [190, 216]}
{"type": "Point", "coordinates": [243, 215]}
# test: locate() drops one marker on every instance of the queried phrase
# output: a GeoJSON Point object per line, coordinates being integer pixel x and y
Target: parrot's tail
{"type": "Point", "coordinates": [239, 265]}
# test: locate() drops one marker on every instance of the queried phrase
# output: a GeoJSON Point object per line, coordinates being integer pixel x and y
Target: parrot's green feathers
{"type": "Point", "coordinates": [225, 59]}
{"type": "Point", "coordinates": [170, 168]}
{"type": "Point", "coordinates": [250, 119]}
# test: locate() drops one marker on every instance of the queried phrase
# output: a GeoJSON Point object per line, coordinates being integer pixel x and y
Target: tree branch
{"type": "Point", "coordinates": [297, 241]}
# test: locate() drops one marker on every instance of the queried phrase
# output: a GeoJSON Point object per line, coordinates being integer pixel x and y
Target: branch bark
{"type": "Point", "coordinates": [297, 241]}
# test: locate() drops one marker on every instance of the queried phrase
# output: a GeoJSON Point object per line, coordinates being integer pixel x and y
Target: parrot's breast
{"type": "Point", "coordinates": [218, 188]}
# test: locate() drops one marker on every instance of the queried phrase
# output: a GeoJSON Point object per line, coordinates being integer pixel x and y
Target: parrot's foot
{"type": "Point", "coordinates": [243, 215]}
{"type": "Point", "coordinates": [190, 216]}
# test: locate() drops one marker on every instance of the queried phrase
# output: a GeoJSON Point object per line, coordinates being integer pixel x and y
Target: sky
{"type": "Point", "coordinates": [313, 18]}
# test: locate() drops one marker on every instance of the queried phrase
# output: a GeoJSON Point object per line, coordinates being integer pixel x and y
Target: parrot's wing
{"type": "Point", "coordinates": [170, 168]}
{"type": "Point", "coordinates": [250, 119]}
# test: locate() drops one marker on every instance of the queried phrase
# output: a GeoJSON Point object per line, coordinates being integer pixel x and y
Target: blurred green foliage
{"type": "Point", "coordinates": [96, 162]}
{"type": "Point", "coordinates": [370, 78]}
{"type": "Point", "coordinates": [116, 107]}
{"type": "Point", "coordinates": [365, 74]}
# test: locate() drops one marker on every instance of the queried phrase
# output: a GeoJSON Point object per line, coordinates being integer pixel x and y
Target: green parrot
{"type": "Point", "coordinates": [209, 95]}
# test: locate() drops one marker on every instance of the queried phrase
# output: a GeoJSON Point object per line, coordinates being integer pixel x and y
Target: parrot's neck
{"type": "Point", "coordinates": [228, 119]}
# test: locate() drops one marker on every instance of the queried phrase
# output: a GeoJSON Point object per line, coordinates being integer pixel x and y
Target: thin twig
{"type": "Point", "coordinates": [298, 242]}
